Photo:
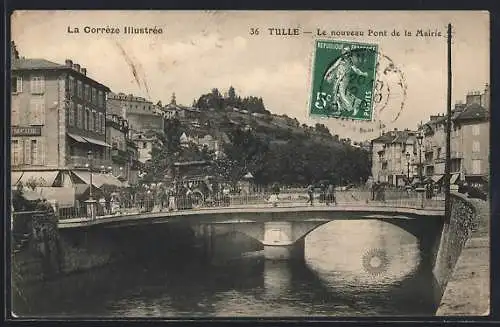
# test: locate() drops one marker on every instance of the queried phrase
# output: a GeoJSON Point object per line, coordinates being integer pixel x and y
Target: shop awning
{"type": "Point", "coordinates": [454, 178]}
{"type": "Point", "coordinates": [98, 180]}
{"type": "Point", "coordinates": [97, 142]}
{"type": "Point", "coordinates": [436, 178]}
{"type": "Point", "coordinates": [64, 196]}
{"type": "Point", "coordinates": [77, 138]}
{"type": "Point", "coordinates": [41, 178]}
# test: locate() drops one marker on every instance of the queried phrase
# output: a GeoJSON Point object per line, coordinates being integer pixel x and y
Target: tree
{"type": "Point", "coordinates": [231, 93]}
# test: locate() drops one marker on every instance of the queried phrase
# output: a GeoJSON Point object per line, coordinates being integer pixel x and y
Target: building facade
{"type": "Point", "coordinates": [395, 157]}
{"type": "Point", "coordinates": [469, 138]}
{"type": "Point", "coordinates": [142, 115]}
{"type": "Point", "coordinates": [57, 117]}
{"type": "Point", "coordinates": [117, 136]}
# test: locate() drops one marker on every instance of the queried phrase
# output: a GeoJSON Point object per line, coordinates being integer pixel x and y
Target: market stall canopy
{"type": "Point", "coordinates": [98, 180]}
{"type": "Point", "coordinates": [454, 178]}
{"type": "Point", "coordinates": [41, 178]}
{"type": "Point", "coordinates": [77, 138]}
{"type": "Point", "coordinates": [64, 196]}
{"type": "Point", "coordinates": [97, 142]}
{"type": "Point", "coordinates": [437, 178]}
{"type": "Point", "coordinates": [248, 175]}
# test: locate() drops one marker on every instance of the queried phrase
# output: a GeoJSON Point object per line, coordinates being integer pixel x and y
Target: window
{"type": "Point", "coordinates": [79, 89]}
{"type": "Point", "coordinates": [86, 119]}
{"type": "Point", "coordinates": [37, 84]}
{"type": "Point", "coordinates": [17, 84]}
{"type": "Point", "coordinates": [100, 99]}
{"type": "Point", "coordinates": [476, 166]}
{"type": "Point", "coordinates": [476, 130]}
{"type": "Point", "coordinates": [37, 112]}
{"type": "Point", "coordinates": [79, 116]}
{"type": "Point", "coordinates": [91, 121]}
{"type": "Point", "coordinates": [34, 152]}
{"type": "Point", "coordinates": [96, 127]}
{"type": "Point", "coordinates": [97, 123]}
{"type": "Point", "coordinates": [71, 85]}
{"type": "Point", "coordinates": [16, 153]}
{"type": "Point", "coordinates": [71, 114]}
{"type": "Point", "coordinates": [14, 117]}
{"type": "Point", "coordinates": [87, 93]}
{"type": "Point", "coordinates": [103, 123]}
{"type": "Point", "coordinates": [94, 96]}
{"type": "Point", "coordinates": [144, 145]}
{"type": "Point", "coordinates": [476, 146]}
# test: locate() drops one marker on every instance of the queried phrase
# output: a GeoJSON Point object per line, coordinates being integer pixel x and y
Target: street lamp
{"type": "Point", "coordinates": [420, 189]}
{"type": "Point", "coordinates": [89, 157]}
{"type": "Point", "coordinates": [420, 137]}
{"type": "Point", "coordinates": [90, 202]}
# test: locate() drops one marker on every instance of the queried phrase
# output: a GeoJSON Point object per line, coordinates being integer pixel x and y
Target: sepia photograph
{"type": "Point", "coordinates": [184, 164]}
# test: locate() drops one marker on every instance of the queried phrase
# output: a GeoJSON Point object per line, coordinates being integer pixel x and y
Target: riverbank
{"type": "Point", "coordinates": [468, 290]}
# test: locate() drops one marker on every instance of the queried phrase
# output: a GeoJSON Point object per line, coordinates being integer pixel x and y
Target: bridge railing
{"type": "Point", "coordinates": [353, 197]}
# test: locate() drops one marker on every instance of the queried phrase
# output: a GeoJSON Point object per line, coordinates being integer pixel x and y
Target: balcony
{"type": "Point", "coordinates": [81, 162]}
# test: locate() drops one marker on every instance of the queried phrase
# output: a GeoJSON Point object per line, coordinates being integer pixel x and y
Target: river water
{"type": "Point", "coordinates": [351, 268]}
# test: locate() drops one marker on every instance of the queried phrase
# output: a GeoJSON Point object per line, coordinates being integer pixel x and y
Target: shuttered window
{"type": "Point", "coordinates": [79, 116]}
{"type": "Point", "coordinates": [16, 153]}
{"type": "Point", "coordinates": [37, 84]}
{"type": "Point", "coordinates": [37, 112]}
{"type": "Point", "coordinates": [17, 84]}
{"type": "Point", "coordinates": [71, 114]}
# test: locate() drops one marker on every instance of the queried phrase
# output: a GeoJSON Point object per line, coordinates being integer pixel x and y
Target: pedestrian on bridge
{"type": "Point", "coordinates": [310, 192]}
{"type": "Point", "coordinates": [171, 199]}
{"type": "Point", "coordinates": [330, 195]}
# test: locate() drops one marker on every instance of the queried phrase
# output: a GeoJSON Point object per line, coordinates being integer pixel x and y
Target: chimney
{"type": "Point", "coordinates": [68, 63]}
{"type": "Point", "coordinates": [76, 67]}
{"type": "Point", "coordinates": [84, 71]}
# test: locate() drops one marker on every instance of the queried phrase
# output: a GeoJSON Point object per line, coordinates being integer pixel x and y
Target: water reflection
{"type": "Point", "coordinates": [332, 282]}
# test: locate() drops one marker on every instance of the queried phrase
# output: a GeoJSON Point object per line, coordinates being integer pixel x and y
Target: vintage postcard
{"type": "Point", "coordinates": [180, 164]}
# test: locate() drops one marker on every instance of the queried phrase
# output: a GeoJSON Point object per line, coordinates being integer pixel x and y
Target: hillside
{"type": "Point", "coordinates": [273, 148]}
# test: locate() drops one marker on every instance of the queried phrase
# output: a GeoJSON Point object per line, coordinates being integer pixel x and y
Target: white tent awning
{"type": "Point", "coordinates": [41, 178]}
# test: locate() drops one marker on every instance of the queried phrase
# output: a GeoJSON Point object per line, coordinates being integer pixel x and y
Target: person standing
{"type": "Point", "coordinates": [171, 198]}
{"type": "Point", "coordinates": [310, 192]}
{"type": "Point", "coordinates": [331, 194]}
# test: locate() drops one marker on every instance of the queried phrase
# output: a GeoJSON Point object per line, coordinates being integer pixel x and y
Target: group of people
{"type": "Point", "coordinates": [327, 194]}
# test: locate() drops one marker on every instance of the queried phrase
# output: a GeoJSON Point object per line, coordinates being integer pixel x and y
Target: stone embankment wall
{"type": "Point", "coordinates": [41, 251]}
{"type": "Point", "coordinates": [465, 220]}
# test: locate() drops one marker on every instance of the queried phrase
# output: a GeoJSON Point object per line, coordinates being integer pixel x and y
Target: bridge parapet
{"type": "Point", "coordinates": [464, 220]}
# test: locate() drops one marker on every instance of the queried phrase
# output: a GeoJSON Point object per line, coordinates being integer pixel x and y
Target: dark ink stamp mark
{"type": "Point", "coordinates": [375, 262]}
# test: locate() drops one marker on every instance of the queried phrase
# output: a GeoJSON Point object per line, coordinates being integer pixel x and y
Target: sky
{"type": "Point", "coordinates": [200, 50]}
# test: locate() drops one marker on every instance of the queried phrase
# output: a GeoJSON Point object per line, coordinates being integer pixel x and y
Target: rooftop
{"type": "Point", "coordinates": [44, 64]}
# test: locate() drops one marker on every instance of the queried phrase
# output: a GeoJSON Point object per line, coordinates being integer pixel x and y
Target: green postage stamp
{"type": "Point", "coordinates": [343, 80]}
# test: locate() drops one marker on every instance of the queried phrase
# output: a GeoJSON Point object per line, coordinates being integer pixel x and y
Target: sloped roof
{"type": "Point", "coordinates": [473, 111]}
{"type": "Point", "coordinates": [44, 64]}
{"type": "Point", "coordinates": [394, 137]}
{"type": "Point", "coordinates": [34, 64]}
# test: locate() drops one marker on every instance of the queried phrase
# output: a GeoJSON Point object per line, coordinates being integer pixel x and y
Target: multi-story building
{"type": "Point", "coordinates": [135, 165]}
{"type": "Point", "coordinates": [395, 157]}
{"type": "Point", "coordinates": [116, 136]}
{"type": "Point", "coordinates": [144, 143]}
{"type": "Point", "coordinates": [57, 117]}
{"type": "Point", "coordinates": [142, 115]}
{"type": "Point", "coordinates": [469, 141]}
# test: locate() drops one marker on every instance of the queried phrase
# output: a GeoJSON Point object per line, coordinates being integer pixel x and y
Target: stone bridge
{"type": "Point", "coordinates": [281, 230]}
